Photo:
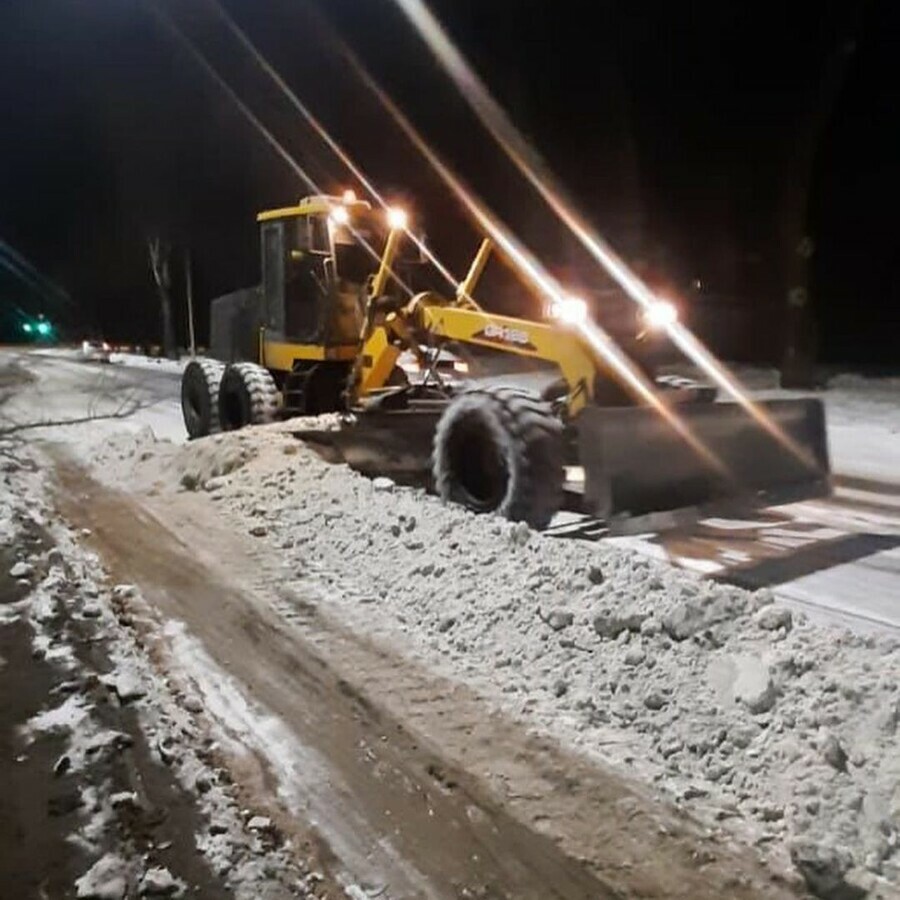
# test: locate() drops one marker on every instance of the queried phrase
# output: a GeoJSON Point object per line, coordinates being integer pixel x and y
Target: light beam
{"type": "Point", "coordinates": [324, 134]}
{"type": "Point", "coordinates": [527, 161]}
{"type": "Point", "coordinates": [254, 120]}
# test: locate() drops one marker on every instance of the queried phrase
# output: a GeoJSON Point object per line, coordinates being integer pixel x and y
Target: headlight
{"type": "Point", "coordinates": [339, 215]}
{"type": "Point", "coordinates": [460, 365]}
{"type": "Point", "coordinates": [572, 310]}
{"type": "Point", "coordinates": [397, 219]}
{"type": "Point", "coordinates": [660, 315]}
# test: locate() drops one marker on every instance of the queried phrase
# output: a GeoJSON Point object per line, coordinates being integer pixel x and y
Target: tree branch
{"type": "Point", "coordinates": [123, 412]}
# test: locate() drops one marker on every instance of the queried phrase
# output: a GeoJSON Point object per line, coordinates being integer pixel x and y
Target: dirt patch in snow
{"type": "Point", "coordinates": [383, 803]}
{"type": "Point", "coordinates": [13, 374]}
{"type": "Point", "coordinates": [112, 785]}
{"type": "Point", "coordinates": [34, 819]}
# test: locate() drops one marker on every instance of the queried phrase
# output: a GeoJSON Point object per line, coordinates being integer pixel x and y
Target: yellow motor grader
{"type": "Point", "coordinates": [334, 317]}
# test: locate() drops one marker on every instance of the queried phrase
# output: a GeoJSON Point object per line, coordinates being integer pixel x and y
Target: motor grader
{"type": "Point", "coordinates": [334, 312]}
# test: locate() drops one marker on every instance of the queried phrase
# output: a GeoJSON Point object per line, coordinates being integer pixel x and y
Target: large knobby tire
{"type": "Point", "coordinates": [200, 397]}
{"type": "Point", "coordinates": [501, 450]}
{"type": "Point", "coordinates": [316, 389]}
{"type": "Point", "coordinates": [247, 396]}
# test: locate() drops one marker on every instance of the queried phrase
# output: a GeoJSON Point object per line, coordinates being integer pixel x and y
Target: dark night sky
{"type": "Point", "coordinates": [678, 128]}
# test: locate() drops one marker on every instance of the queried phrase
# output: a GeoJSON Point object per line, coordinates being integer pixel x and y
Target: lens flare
{"type": "Point", "coordinates": [323, 133]}
{"type": "Point", "coordinates": [520, 152]}
{"type": "Point", "coordinates": [397, 219]}
{"type": "Point", "coordinates": [661, 315]}
{"type": "Point", "coordinates": [538, 278]}
{"type": "Point", "coordinates": [254, 120]}
{"type": "Point", "coordinates": [339, 216]}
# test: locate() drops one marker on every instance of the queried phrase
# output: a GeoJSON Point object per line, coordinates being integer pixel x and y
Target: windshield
{"type": "Point", "coordinates": [359, 244]}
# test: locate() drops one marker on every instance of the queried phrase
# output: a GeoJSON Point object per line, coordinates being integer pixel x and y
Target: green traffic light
{"type": "Point", "coordinates": [43, 328]}
{"type": "Point", "coordinates": [26, 327]}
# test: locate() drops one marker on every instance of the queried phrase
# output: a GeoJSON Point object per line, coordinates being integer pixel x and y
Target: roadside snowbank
{"type": "Point", "coordinates": [120, 709]}
{"type": "Point", "coordinates": [154, 363]}
{"type": "Point", "coordinates": [129, 360]}
{"type": "Point", "coordinates": [782, 732]}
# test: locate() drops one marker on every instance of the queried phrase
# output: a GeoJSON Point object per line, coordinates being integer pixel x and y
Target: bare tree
{"type": "Point", "coordinates": [160, 253]}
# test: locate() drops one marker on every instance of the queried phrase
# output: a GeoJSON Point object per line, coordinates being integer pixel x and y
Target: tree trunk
{"type": "Point", "coordinates": [160, 253]}
{"type": "Point", "coordinates": [796, 243]}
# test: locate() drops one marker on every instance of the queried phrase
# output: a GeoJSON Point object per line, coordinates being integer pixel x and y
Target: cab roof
{"type": "Point", "coordinates": [319, 204]}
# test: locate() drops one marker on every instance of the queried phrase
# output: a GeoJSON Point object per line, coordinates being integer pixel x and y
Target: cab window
{"type": "Point", "coordinates": [318, 234]}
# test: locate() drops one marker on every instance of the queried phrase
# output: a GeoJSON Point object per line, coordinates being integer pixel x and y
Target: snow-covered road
{"type": "Point", "coordinates": [543, 700]}
{"type": "Point", "coordinates": [837, 558]}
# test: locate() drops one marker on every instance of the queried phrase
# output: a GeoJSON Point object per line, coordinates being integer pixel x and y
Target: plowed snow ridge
{"type": "Point", "coordinates": [752, 717]}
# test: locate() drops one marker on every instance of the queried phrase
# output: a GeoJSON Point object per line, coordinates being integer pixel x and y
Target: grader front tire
{"type": "Point", "coordinates": [501, 450]}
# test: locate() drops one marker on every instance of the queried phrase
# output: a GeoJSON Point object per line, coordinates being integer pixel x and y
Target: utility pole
{"type": "Point", "coordinates": [189, 291]}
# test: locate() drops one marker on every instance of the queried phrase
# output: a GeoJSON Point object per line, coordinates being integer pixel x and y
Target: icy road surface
{"type": "Point", "coordinates": [838, 557]}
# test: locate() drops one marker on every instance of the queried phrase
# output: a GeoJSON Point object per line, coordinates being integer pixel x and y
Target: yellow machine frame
{"type": "Point", "coordinates": [633, 457]}
{"type": "Point", "coordinates": [462, 320]}
{"type": "Point", "coordinates": [389, 328]}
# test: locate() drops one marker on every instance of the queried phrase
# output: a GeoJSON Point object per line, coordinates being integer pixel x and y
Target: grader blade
{"type": "Point", "coordinates": [635, 463]}
{"type": "Point", "coordinates": [395, 443]}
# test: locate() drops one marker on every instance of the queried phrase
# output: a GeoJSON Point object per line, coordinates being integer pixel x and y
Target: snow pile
{"type": "Point", "coordinates": [139, 460]}
{"type": "Point", "coordinates": [849, 381]}
{"type": "Point", "coordinates": [748, 715]}
{"type": "Point", "coordinates": [863, 416]}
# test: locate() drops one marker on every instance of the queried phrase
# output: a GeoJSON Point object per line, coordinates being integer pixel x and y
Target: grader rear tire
{"type": "Point", "coordinates": [200, 397]}
{"type": "Point", "coordinates": [247, 396]}
{"type": "Point", "coordinates": [501, 450]}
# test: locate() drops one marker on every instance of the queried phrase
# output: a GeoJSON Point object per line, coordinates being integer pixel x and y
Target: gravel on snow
{"type": "Point", "coordinates": [782, 732]}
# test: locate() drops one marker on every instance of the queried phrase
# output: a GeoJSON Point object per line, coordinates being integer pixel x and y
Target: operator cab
{"type": "Point", "coordinates": [317, 260]}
